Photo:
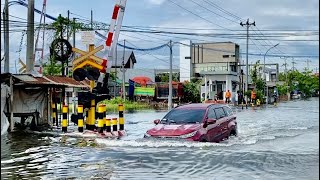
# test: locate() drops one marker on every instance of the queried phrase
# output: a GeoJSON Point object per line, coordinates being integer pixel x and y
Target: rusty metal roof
{"type": "Point", "coordinates": [50, 80]}
{"type": "Point", "coordinates": [67, 81]}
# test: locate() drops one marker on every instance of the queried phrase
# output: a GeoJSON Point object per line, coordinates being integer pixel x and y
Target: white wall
{"type": "Point", "coordinates": [185, 64]}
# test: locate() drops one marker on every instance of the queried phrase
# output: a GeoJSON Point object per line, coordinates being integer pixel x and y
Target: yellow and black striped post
{"type": "Point", "coordinates": [80, 118]}
{"type": "Point", "coordinates": [54, 113]}
{"type": "Point", "coordinates": [91, 117]}
{"type": "Point", "coordinates": [108, 125]}
{"type": "Point", "coordinates": [104, 116]}
{"type": "Point", "coordinates": [64, 118]}
{"type": "Point", "coordinates": [100, 118]}
{"type": "Point", "coordinates": [114, 124]}
{"type": "Point", "coordinates": [121, 118]}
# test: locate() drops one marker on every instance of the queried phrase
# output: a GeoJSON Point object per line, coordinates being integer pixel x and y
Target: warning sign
{"type": "Point", "coordinates": [87, 37]}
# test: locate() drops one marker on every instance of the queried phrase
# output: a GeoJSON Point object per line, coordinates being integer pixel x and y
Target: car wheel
{"type": "Point", "coordinates": [203, 139]}
{"type": "Point", "coordinates": [233, 132]}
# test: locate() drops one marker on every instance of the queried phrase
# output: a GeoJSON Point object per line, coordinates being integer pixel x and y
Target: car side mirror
{"type": "Point", "coordinates": [157, 121]}
{"type": "Point", "coordinates": [211, 121]}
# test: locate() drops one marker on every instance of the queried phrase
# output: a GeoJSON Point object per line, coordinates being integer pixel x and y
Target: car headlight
{"type": "Point", "coordinates": [147, 135]}
{"type": "Point", "coordinates": [184, 136]}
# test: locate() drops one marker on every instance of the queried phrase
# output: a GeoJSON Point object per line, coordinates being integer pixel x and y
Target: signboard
{"type": "Point", "coordinates": [87, 37]}
{"type": "Point", "coordinates": [144, 91]}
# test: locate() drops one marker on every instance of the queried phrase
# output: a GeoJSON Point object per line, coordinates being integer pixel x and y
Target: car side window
{"type": "Point", "coordinates": [228, 111]}
{"type": "Point", "coordinates": [211, 114]}
{"type": "Point", "coordinates": [220, 113]}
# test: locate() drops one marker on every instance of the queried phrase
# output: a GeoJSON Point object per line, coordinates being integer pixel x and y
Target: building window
{"type": "Point", "coordinates": [225, 56]}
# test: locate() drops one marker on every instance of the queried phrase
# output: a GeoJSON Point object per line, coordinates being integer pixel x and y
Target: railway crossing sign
{"type": "Point", "coordinates": [94, 63]}
{"type": "Point", "coordinates": [23, 69]}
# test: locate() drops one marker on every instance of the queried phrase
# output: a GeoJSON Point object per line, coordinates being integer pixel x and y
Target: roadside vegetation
{"type": "Point", "coordinates": [112, 104]}
{"type": "Point", "coordinates": [306, 82]}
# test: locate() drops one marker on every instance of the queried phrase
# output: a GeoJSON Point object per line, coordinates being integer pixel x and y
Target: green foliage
{"type": "Point", "coordinates": [52, 68]}
{"type": "Point", "coordinates": [248, 93]}
{"type": "Point", "coordinates": [256, 77]}
{"type": "Point", "coordinates": [259, 95]}
{"type": "Point", "coordinates": [62, 24]}
{"type": "Point", "coordinates": [192, 91]}
{"type": "Point", "coordinates": [282, 89]}
{"type": "Point", "coordinates": [304, 81]}
{"type": "Point", "coordinates": [164, 77]}
{"type": "Point", "coordinates": [113, 76]}
{"type": "Point", "coordinates": [113, 104]}
{"type": "Point", "coordinates": [282, 76]}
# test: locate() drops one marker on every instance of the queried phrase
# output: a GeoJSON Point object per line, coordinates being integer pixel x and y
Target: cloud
{"type": "Point", "coordinates": [156, 2]}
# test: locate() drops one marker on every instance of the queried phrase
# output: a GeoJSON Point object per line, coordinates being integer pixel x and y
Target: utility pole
{"type": "Point", "coordinates": [293, 63]}
{"type": "Point", "coordinates": [116, 73]}
{"type": "Point", "coordinates": [308, 63]}
{"type": "Point", "coordinates": [170, 79]}
{"type": "Point", "coordinates": [30, 37]}
{"type": "Point", "coordinates": [247, 24]}
{"type": "Point", "coordinates": [6, 36]}
{"type": "Point", "coordinates": [91, 22]}
{"type": "Point", "coordinates": [123, 72]}
{"type": "Point", "coordinates": [264, 73]}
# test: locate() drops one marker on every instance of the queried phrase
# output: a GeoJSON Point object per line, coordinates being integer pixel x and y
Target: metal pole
{"type": "Point", "coordinates": [91, 22]}
{"type": "Point", "coordinates": [170, 79]}
{"type": "Point", "coordinates": [43, 35]}
{"type": "Point", "coordinates": [264, 72]}
{"type": "Point", "coordinates": [6, 36]}
{"type": "Point", "coordinates": [115, 65]}
{"type": "Point", "coordinates": [30, 37]}
{"type": "Point", "coordinates": [123, 73]}
{"type": "Point", "coordinates": [247, 66]}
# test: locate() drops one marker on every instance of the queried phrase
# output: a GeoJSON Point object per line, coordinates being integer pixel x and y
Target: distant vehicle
{"type": "Point", "coordinates": [196, 122]}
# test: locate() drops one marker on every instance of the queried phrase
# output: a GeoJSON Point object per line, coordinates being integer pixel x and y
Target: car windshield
{"type": "Point", "coordinates": [184, 116]}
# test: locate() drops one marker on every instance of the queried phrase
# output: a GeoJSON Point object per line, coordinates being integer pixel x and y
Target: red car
{"type": "Point", "coordinates": [196, 122]}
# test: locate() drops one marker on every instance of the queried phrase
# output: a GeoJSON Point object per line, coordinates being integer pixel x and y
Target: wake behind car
{"type": "Point", "coordinates": [196, 122]}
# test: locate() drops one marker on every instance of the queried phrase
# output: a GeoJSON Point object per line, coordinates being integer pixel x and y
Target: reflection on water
{"type": "Point", "coordinates": [274, 143]}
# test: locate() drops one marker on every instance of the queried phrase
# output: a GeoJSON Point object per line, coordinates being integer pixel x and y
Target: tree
{"type": "Point", "coordinates": [257, 81]}
{"type": "Point", "coordinates": [191, 91]}
{"type": "Point", "coordinates": [59, 26]}
{"type": "Point", "coordinates": [305, 82]}
{"type": "Point", "coordinates": [52, 68]}
{"type": "Point", "coordinates": [164, 77]}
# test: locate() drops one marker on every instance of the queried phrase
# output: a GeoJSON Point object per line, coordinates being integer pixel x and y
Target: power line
{"type": "Point", "coordinates": [198, 15]}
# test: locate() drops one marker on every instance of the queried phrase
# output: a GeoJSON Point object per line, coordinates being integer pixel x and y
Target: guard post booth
{"type": "Point", "coordinates": [26, 97]}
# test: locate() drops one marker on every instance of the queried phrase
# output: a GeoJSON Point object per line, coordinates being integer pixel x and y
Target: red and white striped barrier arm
{"type": "Point", "coordinates": [113, 35]}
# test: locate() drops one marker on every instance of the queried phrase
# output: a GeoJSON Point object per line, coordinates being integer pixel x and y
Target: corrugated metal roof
{"type": "Point", "coordinates": [25, 77]}
{"type": "Point", "coordinates": [67, 81]}
{"type": "Point", "coordinates": [50, 80]}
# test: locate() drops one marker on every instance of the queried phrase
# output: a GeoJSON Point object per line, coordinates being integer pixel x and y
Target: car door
{"type": "Point", "coordinates": [212, 129]}
{"type": "Point", "coordinates": [230, 117]}
{"type": "Point", "coordinates": [222, 125]}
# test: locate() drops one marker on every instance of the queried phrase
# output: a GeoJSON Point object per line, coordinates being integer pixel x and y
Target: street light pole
{"type": "Point", "coordinates": [264, 71]}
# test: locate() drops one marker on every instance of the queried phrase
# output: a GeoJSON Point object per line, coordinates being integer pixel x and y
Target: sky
{"type": "Point", "coordinates": [294, 24]}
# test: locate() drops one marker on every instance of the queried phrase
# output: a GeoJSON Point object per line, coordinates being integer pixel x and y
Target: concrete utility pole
{"type": "Point", "coordinates": [247, 24]}
{"type": "Point", "coordinates": [30, 37]}
{"type": "Point", "coordinates": [6, 36]}
{"type": "Point", "coordinates": [170, 79]}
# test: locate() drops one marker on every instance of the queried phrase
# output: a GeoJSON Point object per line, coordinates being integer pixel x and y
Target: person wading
{"type": "Point", "coordinates": [253, 97]}
{"type": "Point", "coordinates": [228, 96]}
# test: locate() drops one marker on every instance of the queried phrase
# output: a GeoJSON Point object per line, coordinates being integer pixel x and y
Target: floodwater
{"type": "Point", "coordinates": [279, 142]}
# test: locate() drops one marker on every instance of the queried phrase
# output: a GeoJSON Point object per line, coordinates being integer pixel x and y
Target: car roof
{"type": "Point", "coordinates": [198, 106]}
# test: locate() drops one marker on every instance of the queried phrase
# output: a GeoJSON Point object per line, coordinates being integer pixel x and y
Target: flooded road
{"type": "Point", "coordinates": [279, 142]}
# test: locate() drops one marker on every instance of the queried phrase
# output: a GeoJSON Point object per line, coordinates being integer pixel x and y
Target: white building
{"type": "Point", "coordinates": [217, 64]}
